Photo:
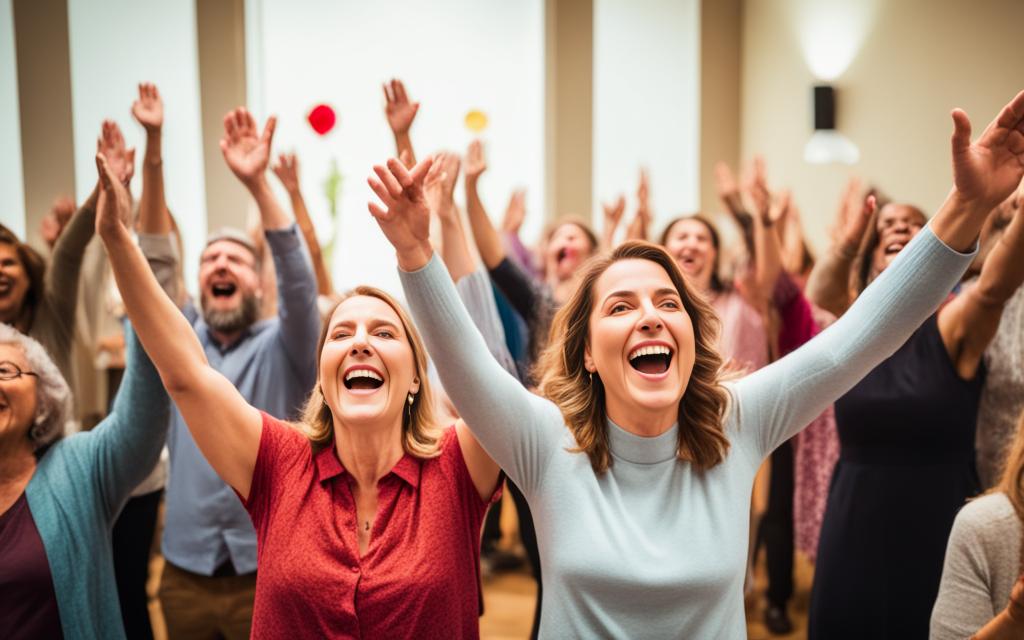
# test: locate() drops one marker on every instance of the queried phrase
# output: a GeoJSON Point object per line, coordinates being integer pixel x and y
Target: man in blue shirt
{"type": "Point", "coordinates": [209, 544]}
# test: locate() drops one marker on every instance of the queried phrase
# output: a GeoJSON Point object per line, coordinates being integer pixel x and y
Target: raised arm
{"type": "Point", "coordinates": [639, 227]}
{"type": "Point", "coordinates": [775, 402]}
{"type": "Point", "coordinates": [488, 242]}
{"type": "Point", "coordinates": [507, 420]}
{"type": "Point", "coordinates": [224, 426]}
{"type": "Point", "coordinates": [287, 171]}
{"type": "Point", "coordinates": [148, 110]}
{"type": "Point", "coordinates": [767, 248]}
{"type": "Point", "coordinates": [247, 153]}
{"type": "Point", "coordinates": [828, 286]}
{"type": "Point", "coordinates": [612, 217]}
{"type": "Point", "coordinates": [969, 322]}
{"type": "Point", "coordinates": [439, 187]}
{"type": "Point", "coordinates": [400, 113]}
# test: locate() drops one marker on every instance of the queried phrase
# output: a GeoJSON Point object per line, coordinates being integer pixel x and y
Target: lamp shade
{"type": "Point", "coordinates": [826, 145]}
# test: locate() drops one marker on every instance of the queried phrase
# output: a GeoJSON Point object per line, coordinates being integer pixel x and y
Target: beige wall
{"type": "Point", "coordinates": [720, 73]}
{"type": "Point", "coordinates": [919, 59]}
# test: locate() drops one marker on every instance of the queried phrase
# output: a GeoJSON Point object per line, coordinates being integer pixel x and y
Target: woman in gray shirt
{"type": "Point", "coordinates": [646, 534]}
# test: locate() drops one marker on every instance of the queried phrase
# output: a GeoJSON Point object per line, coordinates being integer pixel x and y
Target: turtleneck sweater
{"type": "Point", "coordinates": [655, 547]}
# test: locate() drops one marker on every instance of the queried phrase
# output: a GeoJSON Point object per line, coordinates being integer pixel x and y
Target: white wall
{"type": "Point", "coordinates": [12, 195]}
{"type": "Point", "coordinates": [646, 104]}
{"type": "Point", "coordinates": [114, 45]}
{"type": "Point", "coordinates": [453, 55]}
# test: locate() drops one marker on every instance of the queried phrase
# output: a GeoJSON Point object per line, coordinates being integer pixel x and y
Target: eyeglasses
{"type": "Point", "coordinates": [11, 371]}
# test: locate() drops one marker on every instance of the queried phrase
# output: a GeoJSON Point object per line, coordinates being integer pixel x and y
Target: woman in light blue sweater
{"type": "Point", "coordinates": [59, 497]}
{"type": "Point", "coordinates": [641, 504]}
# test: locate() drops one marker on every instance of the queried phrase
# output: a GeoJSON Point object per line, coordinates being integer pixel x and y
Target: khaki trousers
{"type": "Point", "coordinates": [203, 608]}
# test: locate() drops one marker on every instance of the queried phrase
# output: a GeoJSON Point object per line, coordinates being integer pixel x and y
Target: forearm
{"type": "Point", "coordinates": [1003, 271]}
{"type": "Point", "coordinates": [64, 270]}
{"type": "Point", "coordinates": [488, 243]}
{"type": "Point", "coordinates": [403, 144]}
{"type": "Point", "coordinates": [153, 215]}
{"type": "Point", "coordinates": [272, 216]}
{"type": "Point", "coordinates": [454, 246]}
{"type": "Point", "coordinates": [828, 286]}
{"type": "Point", "coordinates": [767, 258]}
{"type": "Point", "coordinates": [958, 222]}
{"type": "Point", "coordinates": [296, 307]}
{"type": "Point", "coordinates": [1002, 627]}
{"type": "Point", "coordinates": [163, 331]}
{"type": "Point", "coordinates": [323, 276]}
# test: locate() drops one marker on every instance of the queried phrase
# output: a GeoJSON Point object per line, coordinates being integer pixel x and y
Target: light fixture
{"type": "Point", "coordinates": [828, 146]}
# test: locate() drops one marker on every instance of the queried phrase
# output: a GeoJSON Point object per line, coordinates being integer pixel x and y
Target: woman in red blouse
{"type": "Point", "coordinates": [367, 514]}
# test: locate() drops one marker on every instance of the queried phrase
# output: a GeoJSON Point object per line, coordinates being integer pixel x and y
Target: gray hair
{"type": "Point", "coordinates": [53, 396]}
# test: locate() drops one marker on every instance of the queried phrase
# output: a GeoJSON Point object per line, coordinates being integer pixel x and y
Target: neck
{"type": "Point", "coordinates": [643, 422]}
{"type": "Point", "coordinates": [225, 339]}
{"type": "Point", "coordinates": [367, 451]}
{"type": "Point", "coordinates": [17, 464]}
{"type": "Point", "coordinates": [20, 319]}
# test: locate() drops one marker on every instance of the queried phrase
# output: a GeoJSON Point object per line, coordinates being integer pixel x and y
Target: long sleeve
{"type": "Point", "coordinates": [478, 296]}
{"type": "Point", "coordinates": [521, 291]}
{"type": "Point", "coordinates": [775, 402]}
{"type": "Point", "coordinates": [297, 294]}
{"type": "Point", "coordinates": [518, 429]}
{"type": "Point", "coordinates": [128, 441]}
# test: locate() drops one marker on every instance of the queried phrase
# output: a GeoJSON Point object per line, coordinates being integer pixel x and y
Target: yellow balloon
{"type": "Point", "coordinates": [476, 121]}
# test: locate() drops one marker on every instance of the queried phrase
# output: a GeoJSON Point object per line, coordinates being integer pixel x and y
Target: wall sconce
{"type": "Point", "coordinates": [828, 146]}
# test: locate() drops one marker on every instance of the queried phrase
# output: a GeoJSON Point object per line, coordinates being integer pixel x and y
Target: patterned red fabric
{"type": "Point", "coordinates": [420, 575]}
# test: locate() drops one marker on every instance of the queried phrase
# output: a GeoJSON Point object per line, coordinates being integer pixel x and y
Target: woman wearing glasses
{"type": "Point", "coordinates": [59, 496]}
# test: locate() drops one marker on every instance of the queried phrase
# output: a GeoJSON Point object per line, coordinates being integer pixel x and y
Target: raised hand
{"type": "Point", "coordinates": [857, 222]}
{"type": "Point", "coordinates": [405, 216]}
{"type": "Point", "coordinates": [757, 188]}
{"type": "Point", "coordinates": [149, 108]}
{"type": "Point", "coordinates": [725, 182]}
{"type": "Point", "coordinates": [643, 194]}
{"type": "Point", "coordinates": [476, 163]}
{"type": "Point", "coordinates": [987, 171]}
{"type": "Point", "coordinates": [515, 212]}
{"type": "Point", "coordinates": [613, 211]}
{"type": "Point", "coordinates": [287, 171]}
{"type": "Point", "coordinates": [399, 111]}
{"type": "Point", "coordinates": [113, 209]}
{"type": "Point", "coordinates": [120, 159]}
{"type": "Point", "coordinates": [439, 185]}
{"type": "Point", "coordinates": [246, 151]}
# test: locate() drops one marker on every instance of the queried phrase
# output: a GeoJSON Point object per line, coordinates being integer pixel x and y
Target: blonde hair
{"type": "Point", "coordinates": [421, 434]}
{"type": "Point", "coordinates": [580, 397]}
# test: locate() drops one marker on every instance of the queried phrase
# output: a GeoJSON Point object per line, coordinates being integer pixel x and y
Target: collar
{"type": "Point", "coordinates": [643, 449]}
{"type": "Point", "coordinates": [328, 466]}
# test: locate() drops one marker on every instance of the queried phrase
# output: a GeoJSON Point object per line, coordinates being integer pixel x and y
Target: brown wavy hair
{"type": "Point", "coordinates": [1012, 481]}
{"type": "Point", "coordinates": [565, 381]}
{"type": "Point", "coordinates": [35, 269]}
{"type": "Point", "coordinates": [716, 280]}
{"type": "Point", "coordinates": [421, 433]}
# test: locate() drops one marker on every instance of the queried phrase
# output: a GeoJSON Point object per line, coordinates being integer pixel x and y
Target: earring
{"type": "Point", "coordinates": [409, 399]}
{"type": "Point", "coordinates": [590, 374]}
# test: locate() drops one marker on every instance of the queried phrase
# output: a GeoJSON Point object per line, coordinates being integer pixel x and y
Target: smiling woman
{"type": "Point", "coordinates": [653, 543]}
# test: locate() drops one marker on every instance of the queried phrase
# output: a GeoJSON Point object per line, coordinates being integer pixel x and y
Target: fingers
{"type": "Point", "coordinates": [870, 206]}
{"type": "Point", "coordinates": [380, 189]}
{"type": "Point", "coordinates": [377, 212]}
{"type": "Point", "coordinates": [399, 90]}
{"type": "Point", "coordinates": [1012, 115]}
{"type": "Point", "coordinates": [268, 130]}
{"type": "Point", "coordinates": [230, 130]}
{"type": "Point", "coordinates": [961, 131]}
{"type": "Point", "coordinates": [390, 183]}
{"type": "Point", "coordinates": [419, 171]}
{"type": "Point", "coordinates": [388, 97]}
{"type": "Point", "coordinates": [104, 172]}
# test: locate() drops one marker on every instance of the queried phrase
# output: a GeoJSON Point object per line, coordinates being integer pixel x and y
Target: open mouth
{"type": "Point", "coordinates": [223, 290]}
{"type": "Point", "coordinates": [893, 248]}
{"type": "Point", "coordinates": [5, 286]}
{"type": "Point", "coordinates": [363, 379]}
{"type": "Point", "coordinates": [651, 359]}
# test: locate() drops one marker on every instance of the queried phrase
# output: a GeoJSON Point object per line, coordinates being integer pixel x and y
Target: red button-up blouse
{"type": "Point", "coordinates": [420, 575]}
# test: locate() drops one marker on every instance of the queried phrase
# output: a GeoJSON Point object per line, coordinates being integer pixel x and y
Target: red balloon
{"type": "Point", "coordinates": [322, 119]}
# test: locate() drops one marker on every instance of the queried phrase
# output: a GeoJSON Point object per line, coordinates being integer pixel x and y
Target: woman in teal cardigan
{"type": "Point", "coordinates": [59, 497]}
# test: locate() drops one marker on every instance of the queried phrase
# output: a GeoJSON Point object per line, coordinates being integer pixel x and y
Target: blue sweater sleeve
{"type": "Point", "coordinates": [517, 428]}
{"type": "Point", "coordinates": [126, 445]}
{"type": "Point", "coordinates": [296, 308]}
{"type": "Point", "coordinates": [776, 402]}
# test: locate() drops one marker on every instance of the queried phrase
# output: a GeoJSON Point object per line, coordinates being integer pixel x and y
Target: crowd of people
{"type": "Point", "coordinates": [660, 408]}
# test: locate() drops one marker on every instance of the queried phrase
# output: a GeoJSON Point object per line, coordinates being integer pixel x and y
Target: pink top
{"type": "Point", "coordinates": [743, 338]}
{"type": "Point", "coordinates": [420, 575]}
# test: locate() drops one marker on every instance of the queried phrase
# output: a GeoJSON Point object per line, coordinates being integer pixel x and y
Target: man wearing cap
{"type": "Point", "coordinates": [209, 544]}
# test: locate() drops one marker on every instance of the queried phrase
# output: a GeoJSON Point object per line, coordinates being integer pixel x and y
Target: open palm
{"type": "Point", "coordinates": [988, 170]}
{"type": "Point", "coordinates": [405, 216]}
{"type": "Point", "coordinates": [149, 108]}
{"type": "Point", "coordinates": [246, 151]}
{"type": "Point", "coordinates": [120, 159]}
{"type": "Point", "coordinates": [399, 110]}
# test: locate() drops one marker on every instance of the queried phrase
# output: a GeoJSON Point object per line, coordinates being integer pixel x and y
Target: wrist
{"type": "Point", "coordinates": [414, 257]}
{"type": "Point", "coordinates": [256, 184]}
{"type": "Point", "coordinates": [970, 206]}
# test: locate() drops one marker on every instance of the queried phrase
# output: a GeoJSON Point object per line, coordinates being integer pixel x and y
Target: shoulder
{"type": "Point", "coordinates": [986, 525]}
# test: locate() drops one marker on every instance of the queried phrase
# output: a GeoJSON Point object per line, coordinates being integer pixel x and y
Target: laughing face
{"type": "Point", "coordinates": [14, 282]}
{"type": "Point", "coordinates": [896, 226]}
{"type": "Point", "coordinates": [17, 396]}
{"type": "Point", "coordinates": [690, 242]}
{"type": "Point", "coordinates": [367, 365]}
{"type": "Point", "coordinates": [641, 343]}
{"type": "Point", "coordinates": [567, 248]}
{"type": "Point", "coordinates": [229, 286]}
